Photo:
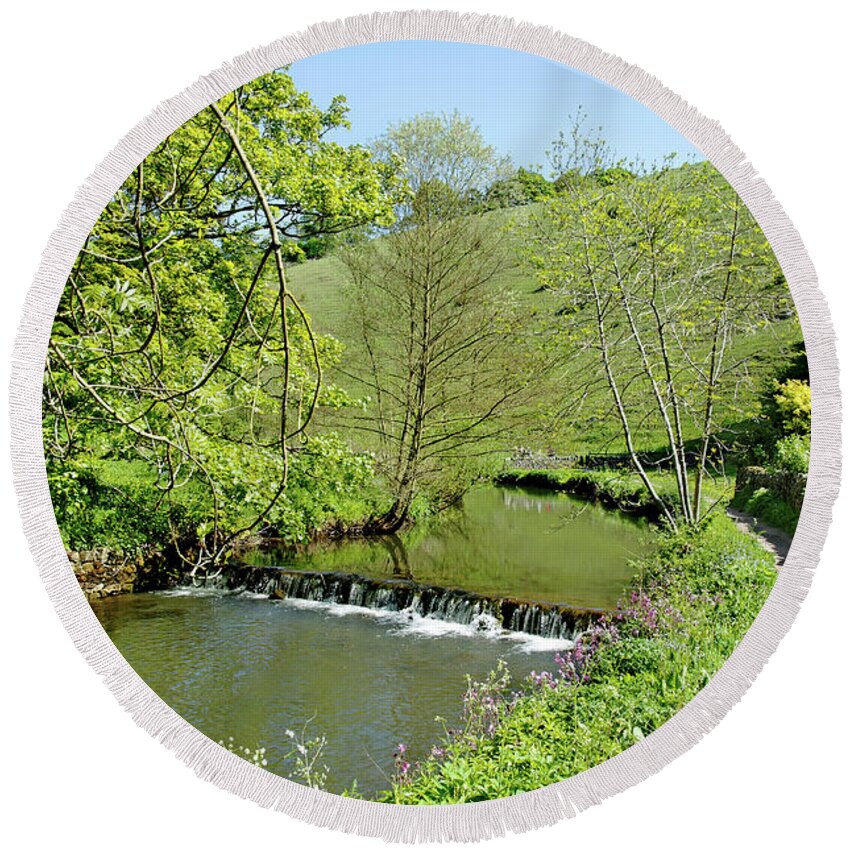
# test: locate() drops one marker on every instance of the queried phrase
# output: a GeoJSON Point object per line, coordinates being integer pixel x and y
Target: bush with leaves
{"type": "Point", "coordinates": [791, 453]}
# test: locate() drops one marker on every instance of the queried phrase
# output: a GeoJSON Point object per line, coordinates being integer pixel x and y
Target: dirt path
{"type": "Point", "coordinates": [773, 539]}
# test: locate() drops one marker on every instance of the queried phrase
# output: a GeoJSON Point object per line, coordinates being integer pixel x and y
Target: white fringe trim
{"type": "Point", "coordinates": [471, 821]}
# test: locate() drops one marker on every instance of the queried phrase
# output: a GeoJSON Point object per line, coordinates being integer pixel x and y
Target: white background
{"type": "Point", "coordinates": [76, 77]}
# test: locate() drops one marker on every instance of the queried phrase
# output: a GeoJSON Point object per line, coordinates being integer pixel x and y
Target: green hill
{"type": "Point", "coordinates": [320, 286]}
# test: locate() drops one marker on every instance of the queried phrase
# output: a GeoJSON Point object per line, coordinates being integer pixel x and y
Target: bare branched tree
{"type": "Point", "coordinates": [441, 360]}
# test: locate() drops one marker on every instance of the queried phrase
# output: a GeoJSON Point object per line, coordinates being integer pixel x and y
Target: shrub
{"type": "Point", "coordinates": [794, 402]}
{"type": "Point", "coordinates": [629, 657]}
{"type": "Point", "coordinates": [116, 504]}
{"type": "Point", "coordinates": [768, 507]}
{"type": "Point", "coordinates": [792, 453]}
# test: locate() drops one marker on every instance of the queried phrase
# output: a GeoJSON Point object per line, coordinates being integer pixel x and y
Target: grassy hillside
{"type": "Point", "coordinates": [319, 284]}
{"type": "Point", "coordinates": [560, 425]}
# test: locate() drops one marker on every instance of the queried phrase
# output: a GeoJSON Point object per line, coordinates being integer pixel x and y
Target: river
{"type": "Point", "coordinates": [234, 664]}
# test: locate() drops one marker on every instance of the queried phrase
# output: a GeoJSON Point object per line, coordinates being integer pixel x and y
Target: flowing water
{"type": "Point", "coordinates": [369, 678]}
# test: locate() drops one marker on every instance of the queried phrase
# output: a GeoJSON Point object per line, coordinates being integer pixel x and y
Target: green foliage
{"type": "Point", "coordinates": [794, 403]}
{"type": "Point", "coordinates": [117, 504]}
{"type": "Point", "coordinates": [657, 273]}
{"type": "Point", "coordinates": [768, 507]}
{"type": "Point", "coordinates": [438, 354]}
{"type": "Point", "coordinates": [792, 453]}
{"type": "Point", "coordinates": [523, 187]}
{"type": "Point", "coordinates": [693, 602]}
{"type": "Point", "coordinates": [557, 420]}
{"type": "Point", "coordinates": [314, 247]}
{"type": "Point", "coordinates": [613, 175]}
{"type": "Point", "coordinates": [782, 410]}
{"type": "Point", "coordinates": [172, 354]}
{"type": "Point", "coordinates": [780, 441]}
{"type": "Point", "coordinates": [445, 155]}
{"type": "Point", "coordinates": [178, 348]}
{"type": "Point", "coordinates": [630, 656]}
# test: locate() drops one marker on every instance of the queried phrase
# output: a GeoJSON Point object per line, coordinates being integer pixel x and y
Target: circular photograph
{"type": "Point", "coordinates": [426, 422]}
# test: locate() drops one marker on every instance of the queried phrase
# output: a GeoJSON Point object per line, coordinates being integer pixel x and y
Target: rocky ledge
{"type": "Point", "coordinates": [109, 572]}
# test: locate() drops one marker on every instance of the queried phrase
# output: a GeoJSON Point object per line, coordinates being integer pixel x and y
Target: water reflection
{"type": "Point", "coordinates": [519, 543]}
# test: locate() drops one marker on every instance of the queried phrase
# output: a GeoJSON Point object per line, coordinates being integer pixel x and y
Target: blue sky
{"type": "Point", "coordinates": [519, 101]}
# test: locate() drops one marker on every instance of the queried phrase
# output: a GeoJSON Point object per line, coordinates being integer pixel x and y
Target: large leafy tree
{"type": "Point", "coordinates": [178, 343]}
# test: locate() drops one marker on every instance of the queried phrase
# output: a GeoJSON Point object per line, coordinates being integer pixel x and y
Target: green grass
{"type": "Point", "coordinates": [319, 284]}
{"type": "Point", "coordinates": [554, 424]}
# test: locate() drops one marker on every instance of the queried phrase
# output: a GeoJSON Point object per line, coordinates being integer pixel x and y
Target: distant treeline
{"type": "Point", "coordinates": [521, 187]}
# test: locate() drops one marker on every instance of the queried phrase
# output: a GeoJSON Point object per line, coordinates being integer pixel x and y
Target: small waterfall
{"type": "Point", "coordinates": [396, 594]}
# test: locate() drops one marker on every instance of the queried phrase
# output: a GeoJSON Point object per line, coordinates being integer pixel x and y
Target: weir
{"type": "Point", "coordinates": [400, 594]}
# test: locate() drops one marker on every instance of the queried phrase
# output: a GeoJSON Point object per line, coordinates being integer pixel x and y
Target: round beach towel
{"type": "Point", "coordinates": [413, 424]}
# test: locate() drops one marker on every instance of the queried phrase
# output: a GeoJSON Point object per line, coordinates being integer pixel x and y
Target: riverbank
{"type": "Point", "coordinates": [450, 550]}
{"type": "Point", "coordinates": [684, 615]}
{"type": "Point", "coordinates": [103, 571]}
{"type": "Point", "coordinates": [616, 490]}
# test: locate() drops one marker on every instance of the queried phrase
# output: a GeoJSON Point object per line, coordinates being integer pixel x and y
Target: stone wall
{"type": "Point", "coordinates": [527, 459]}
{"type": "Point", "coordinates": [789, 486]}
{"type": "Point", "coordinates": [108, 572]}
{"type": "Point", "coordinates": [524, 459]}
